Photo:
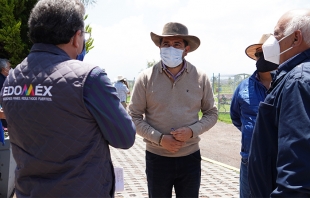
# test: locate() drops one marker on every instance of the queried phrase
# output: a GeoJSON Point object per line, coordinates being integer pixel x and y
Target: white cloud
{"type": "Point", "coordinates": [155, 3]}
{"type": "Point", "coordinates": [122, 31]}
{"type": "Point", "coordinates": [122, 49]}
{"type": "Point", "coordinates": [226, 28]}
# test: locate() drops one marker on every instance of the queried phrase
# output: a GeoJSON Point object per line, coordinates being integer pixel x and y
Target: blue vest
{"type": "Point", "coordinates": [56, 142]}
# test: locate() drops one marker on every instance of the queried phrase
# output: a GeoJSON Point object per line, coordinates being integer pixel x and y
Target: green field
{"type": "Point", "coordinates": [224, 108]}
{"type": "Point", "coordinates": [223, 117]}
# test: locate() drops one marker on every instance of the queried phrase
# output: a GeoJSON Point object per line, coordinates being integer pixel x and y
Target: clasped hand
{"type": "Point", "coordinates": [177, 139]}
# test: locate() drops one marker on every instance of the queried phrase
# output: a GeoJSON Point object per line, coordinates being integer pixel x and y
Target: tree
{"type": "Point", "coordinates": [89, 44]}
{"type": "Point", "coordinates": [151, 63]}
{"type": "Point", "coordinates": [14, 42]}
{"type": "Point", "coordinates": [240, 77]}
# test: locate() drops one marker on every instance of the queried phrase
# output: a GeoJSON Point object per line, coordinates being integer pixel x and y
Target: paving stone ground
{"type": "Point", "coordinates": [217, 180]}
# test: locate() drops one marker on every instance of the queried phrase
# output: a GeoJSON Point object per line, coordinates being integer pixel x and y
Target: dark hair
{"type": "Point", "coordinates": [123, 80]}
{"type": "Point", "coordinates": [185, 42]}
{"type": "Point", "coordinates": [55, 21]}
{"type": "Point", "coordinates": [259, 54]}
{"type": "Point", "coordinates": [161, 40]}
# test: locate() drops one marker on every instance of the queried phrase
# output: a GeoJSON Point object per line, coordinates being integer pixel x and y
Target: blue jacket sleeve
{"type": "Point", "coordinates": [101, 100]}
{"type": "Point", "coordinates": [1, 134]}
{"type": "Point", "coordinates": [293, 142]}
{"type": "Point", "coordinates": [235, 111]}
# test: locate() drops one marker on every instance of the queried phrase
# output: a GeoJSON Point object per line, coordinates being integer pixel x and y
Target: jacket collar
{"type": "Point", "coordinates": [187, 66]}
{"type": "Point", "coordinates": [289, 65]}
{"type": "Point", "coordinates": [3, 76]}
{"type": "Point", "coordinates": [42, 47]}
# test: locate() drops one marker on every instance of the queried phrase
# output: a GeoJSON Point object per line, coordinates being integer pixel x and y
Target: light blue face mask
{"type": "Point", "coordinates": [82, 54]}
{"type": "Point", "coordinates": [171, 56]}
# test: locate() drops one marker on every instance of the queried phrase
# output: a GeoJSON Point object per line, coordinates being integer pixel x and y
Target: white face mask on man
{"type": "Point", "coordinates": [171, 56]}
{"type": "Point", "coordinates": [271, 49]}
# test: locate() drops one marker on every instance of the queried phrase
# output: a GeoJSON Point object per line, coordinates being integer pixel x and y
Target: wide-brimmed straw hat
{"type": "Point", "coordinates": [119, 78]}
{"type": "Point", "coordinates": [251, 50]}
{"type": "Point", "coordinates": [179, 30]}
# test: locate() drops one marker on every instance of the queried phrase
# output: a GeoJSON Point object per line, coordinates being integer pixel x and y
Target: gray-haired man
{"type": "Point", "coordinates": [5, 67]}
{"type": "Point", "coordinates": [279, 157]}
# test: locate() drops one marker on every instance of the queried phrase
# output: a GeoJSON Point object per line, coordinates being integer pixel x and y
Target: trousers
{"type": "Point", "coordinates": [182, 173]}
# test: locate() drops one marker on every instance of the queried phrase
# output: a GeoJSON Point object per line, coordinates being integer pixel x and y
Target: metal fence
{"type": "Point", "coordinates": [223, 88]}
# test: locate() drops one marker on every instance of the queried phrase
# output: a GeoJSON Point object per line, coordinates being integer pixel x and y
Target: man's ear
{"type": "Point", "coordinates": [75, 38]}
{"type": "Point", "coordinates": [186, 50]}
{"type": "Point", "coordinates": [298, 38]}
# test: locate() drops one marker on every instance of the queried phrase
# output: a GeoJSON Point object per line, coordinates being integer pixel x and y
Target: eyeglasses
{"type": "Point", "coordinates": [87, 35]}
{"type": "Point", "coordinates": [258, 54]}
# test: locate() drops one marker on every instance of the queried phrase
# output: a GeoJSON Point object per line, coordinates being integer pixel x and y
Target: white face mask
{"type": "Point", "coordinates": [171, 56]}
{"type": "Point", "coordinates": [271, 49]}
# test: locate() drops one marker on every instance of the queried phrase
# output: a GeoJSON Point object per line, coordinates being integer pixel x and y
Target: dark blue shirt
{"type": "Point", "coordinates": [244, 109]}
{"type": "Point", "coordinates": [2, 79]}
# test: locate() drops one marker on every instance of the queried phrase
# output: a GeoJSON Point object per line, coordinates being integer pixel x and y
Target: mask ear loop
{"type": "Point", "coordinates": [287, 48]}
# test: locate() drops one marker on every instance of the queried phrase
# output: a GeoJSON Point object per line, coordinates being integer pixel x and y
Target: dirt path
{"type": "Point", "coordinates": [222, 143]}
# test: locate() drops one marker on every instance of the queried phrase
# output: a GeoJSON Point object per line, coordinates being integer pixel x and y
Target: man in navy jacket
{"type": "Point", "coordinates": [278, 160]}
{"type": "Point", "coordinates": [63, 114]}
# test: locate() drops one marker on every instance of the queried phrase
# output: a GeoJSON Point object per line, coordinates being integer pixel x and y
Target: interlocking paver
{"type": "Point", "coordinates": [216, 180]}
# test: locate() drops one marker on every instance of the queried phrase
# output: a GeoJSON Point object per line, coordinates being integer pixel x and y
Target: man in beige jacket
{"type": "Point", "coordinates": [170, 95]}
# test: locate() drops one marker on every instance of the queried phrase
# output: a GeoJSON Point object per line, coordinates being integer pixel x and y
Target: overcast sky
{"type": "Point", "coordinates": [121, 29]}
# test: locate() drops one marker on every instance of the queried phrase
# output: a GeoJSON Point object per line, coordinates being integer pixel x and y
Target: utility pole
{"type": "Point", "coordinates": [218, 92]}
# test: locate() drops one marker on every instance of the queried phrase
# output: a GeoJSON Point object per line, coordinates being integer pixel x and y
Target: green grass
{"type": "Point", "coordinates": [223, 117]}
{"type": "Point", "coordinates": [224, 108]}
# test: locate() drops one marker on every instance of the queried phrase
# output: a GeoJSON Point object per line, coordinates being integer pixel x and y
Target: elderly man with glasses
{"type": "Point", "coordinates": [5, 67]}
{"type": "Point", "coordinates": [279, 163]}
{"type": "Point", "coordinates": [62, 113]}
